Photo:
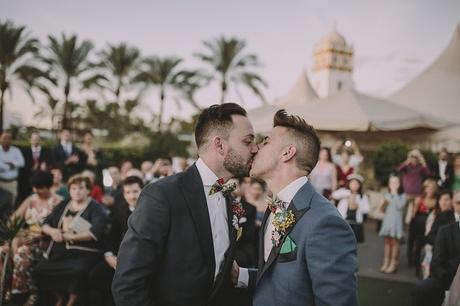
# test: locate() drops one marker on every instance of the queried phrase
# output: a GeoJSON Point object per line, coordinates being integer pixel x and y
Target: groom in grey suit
{"type": "Point", "coordinates": [307, 252]}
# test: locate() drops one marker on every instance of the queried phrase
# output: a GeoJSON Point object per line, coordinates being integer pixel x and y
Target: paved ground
{"type": "Point", "coordinates": [370, 256]}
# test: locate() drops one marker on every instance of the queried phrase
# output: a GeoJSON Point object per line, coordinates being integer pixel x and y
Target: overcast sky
{"type": "Point", "coordinates": [394, 40]}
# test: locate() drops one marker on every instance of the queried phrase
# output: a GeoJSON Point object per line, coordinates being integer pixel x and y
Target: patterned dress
{"type": "Point", "coordinates": [29, 245]}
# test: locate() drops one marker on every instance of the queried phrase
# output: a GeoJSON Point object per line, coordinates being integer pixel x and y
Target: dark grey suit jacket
{"type": "Point", "coordinates": [321, 270]}
{"type": "Point", "coordinates": [167, 255]}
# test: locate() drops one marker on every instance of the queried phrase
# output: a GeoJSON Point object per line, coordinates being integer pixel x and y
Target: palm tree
{"type": "Point", "coordinates": [119, 66]}
{"type": "Point", "coordinates": [67, 59]}
{"type": "Point", "coordinates": [15, 48]}
{"type": "Point", "coordinates": [231, 65]}
{"type": "Point", "coordinates": [164, 74]}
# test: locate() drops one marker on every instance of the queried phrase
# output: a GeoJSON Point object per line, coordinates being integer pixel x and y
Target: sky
{"type": "Point", "coordinates": [393, 40]}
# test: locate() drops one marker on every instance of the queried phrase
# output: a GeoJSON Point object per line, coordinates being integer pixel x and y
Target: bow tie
{"type": "Point", "coordinates": [275, 203]}
{"type": "Point", "coordinates": [219, 185]}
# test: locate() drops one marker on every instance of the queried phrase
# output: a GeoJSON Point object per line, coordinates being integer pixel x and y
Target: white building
{"type": "Point", "coordinates": [333, 65]}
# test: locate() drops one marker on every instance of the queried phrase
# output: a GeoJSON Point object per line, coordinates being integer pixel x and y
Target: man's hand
{"type": "Point", "coordinates": [235, 273]}
{"type": "Point", "coordinates": [111, 261]}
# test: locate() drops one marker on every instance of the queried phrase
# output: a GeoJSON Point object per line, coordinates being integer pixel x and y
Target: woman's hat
{"type": "Point", "coordinates": [355, 176]}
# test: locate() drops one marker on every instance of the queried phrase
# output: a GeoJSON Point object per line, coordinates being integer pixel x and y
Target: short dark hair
{"type": "Point", "coordinates": [308, 143]}
{"type": "Point", "coordinates": [217, 117]}
{"type": "Point", "coordinates": [41, 179]}
{"type": "Point", "coordinates": [130, 180]}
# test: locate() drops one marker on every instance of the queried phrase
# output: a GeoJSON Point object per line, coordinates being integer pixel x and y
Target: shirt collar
{"type": "Point", "coordinates": [207, 176]}
{"type": "Point", "coordinates": [287, 193]}
{"type": "Point", "coordinates": [35, 149]}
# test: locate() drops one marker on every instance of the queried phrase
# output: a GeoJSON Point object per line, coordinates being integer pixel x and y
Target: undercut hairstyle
{"type": "Point", "coordinates": [216, 120]}
{"type": "Point", "coordinates": [305, 139]}
{"type": "Point", "coordinates": [42, 179]}
{"type": "Point", "coordinates": [131, 180]}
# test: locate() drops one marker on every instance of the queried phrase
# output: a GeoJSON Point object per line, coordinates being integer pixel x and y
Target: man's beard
{"type": "Point", "coordinates": [236, 165]}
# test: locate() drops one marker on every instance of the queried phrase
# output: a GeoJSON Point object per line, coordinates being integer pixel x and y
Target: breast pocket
{"type": "Point", "coordinates": [287, 257]}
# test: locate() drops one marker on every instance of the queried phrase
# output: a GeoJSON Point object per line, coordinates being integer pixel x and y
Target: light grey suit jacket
{"type": "Point", "coordinates": [321, 270]}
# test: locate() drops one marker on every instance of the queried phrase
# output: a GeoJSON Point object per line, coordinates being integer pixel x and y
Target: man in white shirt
{"type": "Point", "coordinates": [179, 246]}
{"type": "Point", "coordinates": [307, 251]}
{"type": "Point", "coordinates": [11, 160]}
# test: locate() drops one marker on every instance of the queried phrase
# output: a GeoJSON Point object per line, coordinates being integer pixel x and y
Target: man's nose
{"type": "Point", "coordinates": [255, 149]}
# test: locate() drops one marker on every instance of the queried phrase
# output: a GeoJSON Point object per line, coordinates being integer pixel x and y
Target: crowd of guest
{"type": "Point", "coordinates": [76, 209]}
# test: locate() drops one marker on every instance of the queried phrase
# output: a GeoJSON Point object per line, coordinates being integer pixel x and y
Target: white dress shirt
{"type": "Point", "coordinates": [286, 195]}
{"type": "Point", "coordinates": [217, 209]}
{"type": "Point", "coordinates": [14, 156]}
{"type": "Point", "coordinates": [67, 146]}
{"type": "Point", "coordinates": [442, 164]}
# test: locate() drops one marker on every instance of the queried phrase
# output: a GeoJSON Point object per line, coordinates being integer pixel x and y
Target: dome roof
{"type": "Point", "coordinates": [334, 38]}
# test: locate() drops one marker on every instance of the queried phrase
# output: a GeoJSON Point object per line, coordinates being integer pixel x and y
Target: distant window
{"type": "Point", "coordinates": [339, 85]}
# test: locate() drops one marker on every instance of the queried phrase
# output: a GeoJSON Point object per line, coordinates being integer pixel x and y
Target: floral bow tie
{"type": "Point", "coordinates": [219, 185]}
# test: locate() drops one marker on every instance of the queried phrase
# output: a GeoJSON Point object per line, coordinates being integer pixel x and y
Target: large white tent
{"type": "Point", "coordinates": [436, 90]}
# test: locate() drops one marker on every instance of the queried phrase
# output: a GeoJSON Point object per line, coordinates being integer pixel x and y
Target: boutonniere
{"type": "Point", "coordinates": [226, 189]}
{"type": "Point", "coordinates": [238, 218]}
{"type": "Point", "coordinates": [283, 220]}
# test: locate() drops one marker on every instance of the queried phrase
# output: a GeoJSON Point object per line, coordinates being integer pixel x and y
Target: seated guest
{"type": "Point", "coordinates": [29, 244]}
{"type": "Point", "coordinates": [445, 216]}
{"type": "Point", "coordinates": [59, 187]}
{"type": "Point", "coordinates": [100, 277]}
{"type": "Point", "coordinates": [96, 192]}
{"type": "Point", "coordinates": [76, 228]}
{"type": "Point", "coordinates": [444, 265]}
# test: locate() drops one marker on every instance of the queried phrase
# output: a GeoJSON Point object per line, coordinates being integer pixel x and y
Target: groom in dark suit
{"type": "Point", "coordinates": [179, 246]}
{"type": "Point", "coordinates": [307, 252]}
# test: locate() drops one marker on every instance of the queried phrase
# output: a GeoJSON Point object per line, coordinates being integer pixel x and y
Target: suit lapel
{"type": "Point", "coordinates": [196, 201]}
{"type": "Point", "coordinates": [299, 205]}
{"type": "Point", "coordinates": [456, 235]}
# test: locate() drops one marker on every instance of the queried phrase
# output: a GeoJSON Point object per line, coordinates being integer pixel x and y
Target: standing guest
{"type": "Point", "coordinates": [100, 277]}
{"type": "Point", "coordinates": [444, 170]}
{"type": "Point", "coordinates": [247, 244]}
{"type": "Point", "coordinates": [444, 265]}
{"type": "Point", "coordinates": [414, 171]}
{"type": "Point", "coordinates": [162, 168]}
{"type": "Point", "coordinates": [423, 205]}
{"type": "Point", "coordinates": [6, 204]}
{"type": "Point", "coordinates": [11, 160]}
{"type": "Point", "coordinates": [76, 228]}
{"type": "Point", "coordinates": [96, 191]}
{"type": "Point", "coordinates": [324, 175]}
{"type": "Point", "coordinates": [350, 146]}
{"type": "Point", "coordinates": [29, 244]}
{"type": "Point", "coordinates": [344, 169]}
{"type": "Point", "coordinates": [94, 156]}
{"type": "Point", "coordinates": [392, 228]}
{"type": "Point", "coordinates": [70, 158]}
{"type": "Point", "coordinates": [353, 204]}
{"type": "Point", "coordinates": [37, 158]}
{"type": "Point", "coordinates": [59, 187]}
{"type": "Point", "coordinates": [115, 191]}
{"type": "Point", "coordinates": [255, 195]}
{"type": "Point", "coordinates": [456, 183]}
{"type": "Point", "coordinates": [443, 205]}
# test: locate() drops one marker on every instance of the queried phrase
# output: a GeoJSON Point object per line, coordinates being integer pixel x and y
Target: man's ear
{"type": "Point", "coordinates": [288, 153]}
{"type": "Point", "coordinates": [218, 145]}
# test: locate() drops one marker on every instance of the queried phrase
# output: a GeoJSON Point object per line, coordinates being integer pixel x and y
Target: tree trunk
{"type": "Point", "coordinates": [162, 101]}
{"type": "Point", "coordinates": [2, 92]}
{"type": "Point", "coordinates": [224, 90]}
{"type": "Point", "coordinates": [66, 105]}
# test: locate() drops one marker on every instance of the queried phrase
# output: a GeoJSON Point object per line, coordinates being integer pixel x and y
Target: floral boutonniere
{"type": "Point", "coordinates": [239, 217]}
{"type": "Point", "coordinates": [283, 220]}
